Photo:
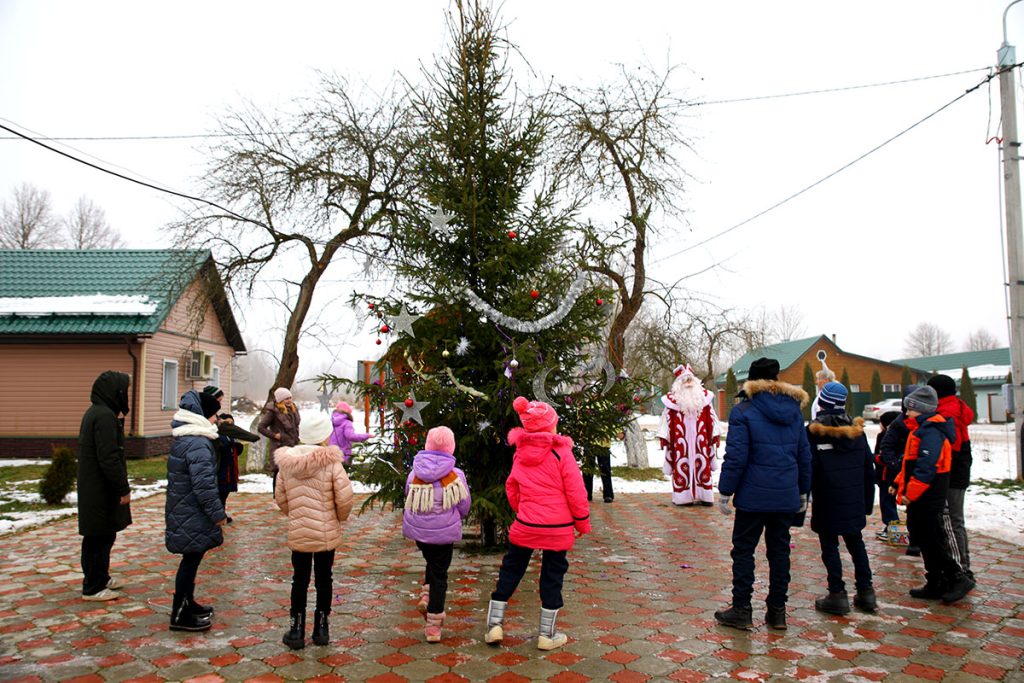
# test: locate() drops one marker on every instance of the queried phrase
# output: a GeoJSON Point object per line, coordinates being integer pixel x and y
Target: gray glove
{"type": "Point", "coordinates": [803, 503]}
{"type": "Point", "coordinates": [723, 504]}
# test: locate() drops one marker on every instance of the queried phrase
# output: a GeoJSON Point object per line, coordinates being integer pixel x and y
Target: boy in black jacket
{"type": "Point", "coordinates": [842, 496]}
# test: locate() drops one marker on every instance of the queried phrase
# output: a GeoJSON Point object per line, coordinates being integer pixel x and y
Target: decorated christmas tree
{"type": "Point", "coordinates": [494, 306]}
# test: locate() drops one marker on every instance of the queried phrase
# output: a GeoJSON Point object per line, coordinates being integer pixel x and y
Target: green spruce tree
{"type": "Point", "coordinates": [967, 394]}
{"type": "Point", "coordinates": [483, 280]}
{"type": "Point", "coordinates": [811, 388]}
{"type": "Point", "coordinates": [730, 391]}
{"type": "Point", "coordinates": [844, 379]}
{"type": "Point", "coordinates": [876, 387]}
{"type": "Point", "coordinates": [906, 377]}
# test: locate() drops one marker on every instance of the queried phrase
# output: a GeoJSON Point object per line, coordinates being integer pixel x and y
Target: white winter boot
{"type": "Point", "coordinates": [549, 638]}
{"type": "Point", "coordinates": [495, 618]}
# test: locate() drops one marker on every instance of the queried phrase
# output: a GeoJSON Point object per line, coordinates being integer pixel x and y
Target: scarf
{"type": "Point", "coordinates": [194, 425]}
{"type": "Point", "coordinates": [421, 493]}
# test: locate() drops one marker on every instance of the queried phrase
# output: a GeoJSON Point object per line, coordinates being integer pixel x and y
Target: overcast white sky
{"type": "Point", "coordinates": [912, 233]}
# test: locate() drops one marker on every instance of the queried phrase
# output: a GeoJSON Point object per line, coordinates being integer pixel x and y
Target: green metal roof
{"type": "Point", "coordinates": [160, 274]}
{"type": "Point", "coordinates": [784, 352]}
{"type": "Point", "coordinates": [965, 359]}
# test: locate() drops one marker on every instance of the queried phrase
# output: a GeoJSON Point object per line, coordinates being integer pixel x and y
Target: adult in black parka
{"type": "Point", "coordinates": [104, 495]}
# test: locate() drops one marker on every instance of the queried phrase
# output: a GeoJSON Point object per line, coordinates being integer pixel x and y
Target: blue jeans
{"type": "Point", "coordinates": [887, 504]}
{"type": "Point", "coordinates": [746, 535]}
{"type": "Point", "coordinates": [834, 565]}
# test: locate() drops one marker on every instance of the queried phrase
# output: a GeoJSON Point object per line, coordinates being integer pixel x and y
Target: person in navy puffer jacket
{"type": "Point", "coordinates": [193, 511]}
{"type": "Point", "coordinates": [767, 474]}
{"type": "Point", "coordinates": [436, 501]}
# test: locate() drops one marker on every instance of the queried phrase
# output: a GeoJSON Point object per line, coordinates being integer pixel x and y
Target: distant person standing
{"type": "Point", "coordinates": [343, 433]}
{"type": "Point", "coordinates": [280, 424]}
{"type": "Point", "coordinates": [767, 471]}
{"type": "Point", "coordinates": [104, 494]}
{"type": "Point", "coordinates": [821, 378]}
{"type": "Point", "coordinates": [689, 435]}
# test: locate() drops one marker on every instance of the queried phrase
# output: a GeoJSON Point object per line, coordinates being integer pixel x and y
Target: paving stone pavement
{"type": "Point", "coordinates": [640, 595]}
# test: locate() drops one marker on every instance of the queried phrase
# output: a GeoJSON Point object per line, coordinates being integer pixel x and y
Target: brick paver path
{"type": "Point", "coordinates": [639, 601]}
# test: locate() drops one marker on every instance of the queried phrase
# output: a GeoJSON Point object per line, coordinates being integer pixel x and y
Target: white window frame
{"type": "Point", "coordinates": [215, 376]}
{"type": "Point", "coordinates": [892, 388]}
{"type": "Point", "coordinates": [854, 387]}
{"type": "Point", "coordinates": [168, 362]}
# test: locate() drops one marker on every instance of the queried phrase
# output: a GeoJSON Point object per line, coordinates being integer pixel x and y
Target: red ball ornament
{"type": "Point", "coordinates": [378, 342]}
{"type": "Point", "coordinates": [409, 403]}
{"type": "Point", "coordinates": [600, 302]}
{"type": "Point", "coordinates": [413, 441]}
{"type": "Point", "coordinates": [534, 293]}
{"type": "Point", "coordinates": [370, 306]}
{"type": "Point", "coordinates": [511, 234]}
{"type": "Point", "coordinates": [385, 329]}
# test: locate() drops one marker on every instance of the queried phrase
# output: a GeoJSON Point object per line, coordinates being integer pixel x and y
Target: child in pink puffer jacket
{"type": "Point", "coordinates": [344, 433]}
{"type": "Point", "coordinates": [545, 490]}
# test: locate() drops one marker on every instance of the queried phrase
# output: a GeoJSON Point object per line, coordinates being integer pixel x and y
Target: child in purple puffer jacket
{"type": "Point", "coordinates": [436, 502]}
{"type": "Point", "coordinates": [344, 434]}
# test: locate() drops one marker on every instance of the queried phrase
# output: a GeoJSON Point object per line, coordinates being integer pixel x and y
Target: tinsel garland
{"type": "Point", "coordinates": [530, 326]}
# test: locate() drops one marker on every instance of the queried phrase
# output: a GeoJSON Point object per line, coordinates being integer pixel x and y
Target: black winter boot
{"type": "Point", "coordinates": [199, 610]}
{"type": "Point", "coordinates": [295, 636]}
{"type": "Point", "coordinates": [775, 617]}
{"type": "Point", "coordinates": [865, 599]}
{"type": "Point", "coordinates": [833, 603]}
{"type": "Point", "coordinates": [321, 628]}
{"type": "Point", "coordinates": [932, 589]}
{"type": "Point", "coordinates": [958, 588]}
{"type": "Point", "coordinates": [736, 617]}
{"type": "Point", "coordinates": [184, 619]}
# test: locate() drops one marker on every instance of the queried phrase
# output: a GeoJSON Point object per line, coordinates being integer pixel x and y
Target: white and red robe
{"type": "Point", "coordinates": [691, 450]}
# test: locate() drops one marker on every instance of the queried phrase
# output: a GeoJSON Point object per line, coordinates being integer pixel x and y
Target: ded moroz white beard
{"type": "Point", "coordinates": [689, 395]}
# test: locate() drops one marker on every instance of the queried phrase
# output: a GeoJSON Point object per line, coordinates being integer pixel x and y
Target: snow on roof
{"type": "Point", "coordinates": [980, 372]}
{"type": "Point", "coordinates": [97, 304]}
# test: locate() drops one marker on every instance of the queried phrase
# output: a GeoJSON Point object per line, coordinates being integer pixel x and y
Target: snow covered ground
{"type": "Point", "coordinates": [990, 510]}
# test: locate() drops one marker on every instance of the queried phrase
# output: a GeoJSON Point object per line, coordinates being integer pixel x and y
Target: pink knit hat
{"type": "Point", "coordinates": [536, 416]}
{"type": "Point", "coordinates": [342, 407]}
{"type": "Point", "coordinates": [281, 393]}
{"type": "Point", "coordinates": [441, 439]}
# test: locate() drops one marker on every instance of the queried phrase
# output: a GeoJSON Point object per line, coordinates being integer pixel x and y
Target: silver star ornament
{"type": "Point", "coordinates": [439, 220]}
{"type": "Point", "coordinates": [412, 412]}
{"type": "Point", "coordinates": [403, 322]}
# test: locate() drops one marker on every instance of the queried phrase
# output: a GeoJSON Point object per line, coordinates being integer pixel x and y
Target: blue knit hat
{"type": "Point", "coordinates": [833, 396]}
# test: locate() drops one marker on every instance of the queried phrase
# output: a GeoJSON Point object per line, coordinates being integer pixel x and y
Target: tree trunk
{"type": "Point", "coordinates": [256, 454]}
{"type": "Point", "coordinates": [290, 352]}
{"type": "Point", "coordinates": [488, 533]}
{"type": "Point", "coordinates": [636, 447]}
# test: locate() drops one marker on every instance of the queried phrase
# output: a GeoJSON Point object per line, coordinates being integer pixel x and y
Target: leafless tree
{"type": "Point", "coordinates": [622, 142]}
{"type": "Point", "coordinates": [86, 227]}
{"type": "Point", "coordinates": [927, 339]}
{"type": "Point", "coordinates": [27, 220]}
{"type": "Point", "coordinates": [788, 322]}
{"type": "Point", "coordinates": [303, 189]}
{"type": "Point", "coordinates": [981, 340]}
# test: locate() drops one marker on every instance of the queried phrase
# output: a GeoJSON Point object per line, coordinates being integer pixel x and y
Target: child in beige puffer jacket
{"type": "Point", "coordinates": [314, 491]}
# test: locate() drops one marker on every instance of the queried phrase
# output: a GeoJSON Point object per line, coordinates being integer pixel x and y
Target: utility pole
{"type": "Point", "coordinates": [1011, 150]}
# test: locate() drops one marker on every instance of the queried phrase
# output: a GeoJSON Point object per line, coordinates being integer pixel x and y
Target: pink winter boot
{"type": "Point", "coordinates": [424, 599]}
{"type": "Point", "coordinates": [433, 628]}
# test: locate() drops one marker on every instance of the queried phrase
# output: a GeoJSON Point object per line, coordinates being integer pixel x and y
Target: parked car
{"type": "Point", "coordinates": [874, 411]}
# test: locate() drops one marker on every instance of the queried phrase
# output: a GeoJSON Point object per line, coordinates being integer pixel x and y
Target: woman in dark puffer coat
{"type": "Point", "coordinates": [194, 512]}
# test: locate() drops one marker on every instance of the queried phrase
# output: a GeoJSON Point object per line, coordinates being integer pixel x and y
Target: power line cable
{"type": "Point", "coordinates": [132, 180]}
{"type": "Point", "coordinates": [834, 173]}
{"type": "Point", "coordinates": [754, 98]}
{"type": "Point", "coordinates": [839, 89]}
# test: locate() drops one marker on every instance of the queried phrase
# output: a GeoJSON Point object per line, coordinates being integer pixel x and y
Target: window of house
{"type": "Point", "coordinates": [892, 388]}
{"type": "Point", "coordinates": [215, 377]}
{"type": "Point", "coordinates": [169, 397]}
{"type": "Point", "coordinates": [854, 387]}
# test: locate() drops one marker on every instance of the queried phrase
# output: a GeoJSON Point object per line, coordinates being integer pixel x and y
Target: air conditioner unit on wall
{"type": "Point", "coordinates": [198, 365]}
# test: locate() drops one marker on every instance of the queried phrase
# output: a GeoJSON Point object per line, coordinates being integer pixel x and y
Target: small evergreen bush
{"type": "Point", "coordinates": [60, 476]}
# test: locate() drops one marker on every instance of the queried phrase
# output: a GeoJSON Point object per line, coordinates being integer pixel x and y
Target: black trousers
{"type": "Point", "coordinates": [554, 564]}
{"type": "Point", "coordinates": [185, 581]}
{"type": "Point", "coordinates": [438, 559]}
{"type": "Point", "coordinates": [96, 562]}
{"type": "Point", "coordinates": [746, 534]}
{"type": "Point", "coordinates": [321, 564]}
{"type": "Point", "coordinates": [834, 565]}
{"type": "Point", "coordinates": [604, 467]}
{"type": "Point", "coordinates": [927, 531]}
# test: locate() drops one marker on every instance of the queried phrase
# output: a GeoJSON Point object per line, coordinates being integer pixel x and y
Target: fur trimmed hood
{"type": "Point", "coordinates": [304, 462]}
{"type": "Point", "coordinates": [772, 386]}
{"type": "Point", "coordinates": [849, 431]}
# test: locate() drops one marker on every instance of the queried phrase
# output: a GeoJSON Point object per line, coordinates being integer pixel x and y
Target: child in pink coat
{"type": "Point", "coordinates": [545, 490]}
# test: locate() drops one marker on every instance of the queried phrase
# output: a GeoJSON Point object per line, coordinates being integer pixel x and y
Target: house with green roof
{"type": "Point", "coordinates": [161, 316]}
{"type": "Point", "coordinates": [818, 352]}
{"type": "Point", "coordinates": [987, 369]}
